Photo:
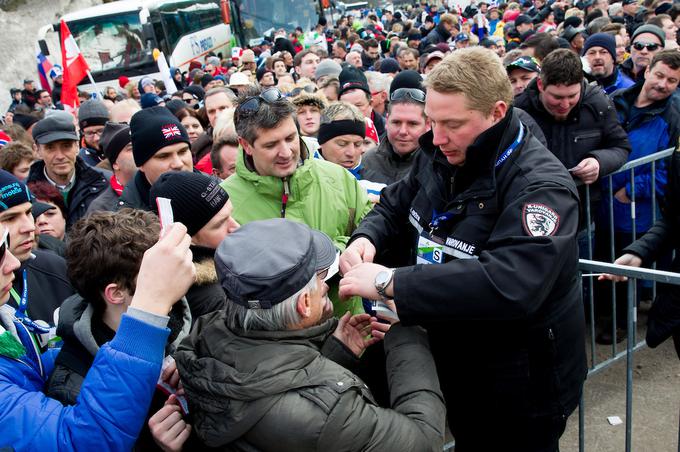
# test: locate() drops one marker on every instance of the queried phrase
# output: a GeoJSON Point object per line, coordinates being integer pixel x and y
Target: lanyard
{"type": "Point", "coordinates": [504, 156]}
{"type": "Point", "coordinates": [22, 302]}
{"type": "Point", "coordinates": [439, 219]}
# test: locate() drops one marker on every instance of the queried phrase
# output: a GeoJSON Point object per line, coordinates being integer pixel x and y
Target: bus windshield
{"type": "Point", "coordinates": [260, 17]}
{"type": "Point", "coordinates": [112, 43]}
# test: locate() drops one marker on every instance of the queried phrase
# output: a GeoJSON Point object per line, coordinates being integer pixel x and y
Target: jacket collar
{"type": "Point", "coordinates": [478, 174]}
{"type": "Point", "coordinates": [271, 185]}
{"type": "Point", "coordinates": [387, 150]}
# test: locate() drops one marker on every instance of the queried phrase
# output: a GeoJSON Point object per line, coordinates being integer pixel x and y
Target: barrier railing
{"type": "Point", "coordinates": [633, 274]}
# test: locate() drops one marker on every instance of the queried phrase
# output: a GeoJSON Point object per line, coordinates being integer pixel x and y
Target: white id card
{"type": "Point", "coordinates": [165, 213]}
{"type": "Point", "coordinates": [429, 252]}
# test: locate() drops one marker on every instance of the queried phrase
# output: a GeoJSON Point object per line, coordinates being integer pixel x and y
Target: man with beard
{"type": "Point", "coordinates": [600, 52]}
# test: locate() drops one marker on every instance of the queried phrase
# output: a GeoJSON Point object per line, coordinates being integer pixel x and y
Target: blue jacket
{"type": "Point", "coordinates": [622, 81]}
{"type": "Point", "coordinates": [650, 130]}
{"type": "Point", "coordinates": [113, 402]}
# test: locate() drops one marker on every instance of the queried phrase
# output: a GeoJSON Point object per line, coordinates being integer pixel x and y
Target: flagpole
{"type": "Point", "coordinates": [94, 85]}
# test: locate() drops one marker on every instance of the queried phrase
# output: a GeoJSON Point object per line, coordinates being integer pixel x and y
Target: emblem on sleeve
{"type": "Point", "coordinates": [539, 220]}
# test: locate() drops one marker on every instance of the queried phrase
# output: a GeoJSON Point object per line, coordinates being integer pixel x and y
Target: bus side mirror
{"type": "Point", "coordinates": [147, 32]}
{"type": "Point", "coordinates": [43, 47]}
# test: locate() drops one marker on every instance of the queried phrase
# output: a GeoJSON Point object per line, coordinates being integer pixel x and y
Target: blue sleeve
{"type": "Point", "coordinates": [111, 408]}
{"type": "Point", "coordinates": [643, 174]}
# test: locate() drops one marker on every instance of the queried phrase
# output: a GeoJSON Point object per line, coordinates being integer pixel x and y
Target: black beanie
{"type": "Point", "coordinates": [12, 191]}
{"type": "Point", "coordinates": [113, 140]}
{"type": "Point", "coordinates": [407, 79]}
{"type": "Point", "coordinates": [152, 129]}
{"type": "Point", "coordinates": [604, 40]}
{"type": "Point", "coordinates": [352, 78]}
{"type": "Point", "coordinates": [195, 197]}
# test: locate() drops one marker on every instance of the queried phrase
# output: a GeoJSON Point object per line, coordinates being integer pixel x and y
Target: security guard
{"type": "Point", "coordinates": [492, 268]}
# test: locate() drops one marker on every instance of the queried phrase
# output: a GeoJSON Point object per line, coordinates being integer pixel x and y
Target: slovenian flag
{"type": "Point", "coordinates": [44, 67]}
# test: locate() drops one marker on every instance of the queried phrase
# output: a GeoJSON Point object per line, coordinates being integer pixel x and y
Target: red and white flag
{"type": "Point", "coordinates": [75, 68]}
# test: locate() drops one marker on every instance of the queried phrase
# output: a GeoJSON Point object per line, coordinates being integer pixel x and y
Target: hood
{"type": "Point", "coordinates": [75, 323]}
{"type": "Point", "coordinates": [204, 262]}
{"type": "Point", "coordinates": [232, 378]}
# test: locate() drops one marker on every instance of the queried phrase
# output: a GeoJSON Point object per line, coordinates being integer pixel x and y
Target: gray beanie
{"type": "Point", "coordinates": [327, 67]}
{"type": "Point", "coordinates": [92, 112]}
{"type": "Point", "coordinates": [649, 28]}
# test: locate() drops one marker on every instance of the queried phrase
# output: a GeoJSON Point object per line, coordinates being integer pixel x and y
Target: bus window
{"type": "Point", "coordinates": [260, 17]}
{"type": "Point", "coordinates": [111, 42]}
{"type": "Point", "coordinates": [183, 21]}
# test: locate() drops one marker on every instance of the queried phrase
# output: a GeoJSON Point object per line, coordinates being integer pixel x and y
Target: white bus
{"type": "Point", "coordinates": [118, 38]}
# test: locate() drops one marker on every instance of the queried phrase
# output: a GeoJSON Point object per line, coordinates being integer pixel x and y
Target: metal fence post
{"type": "Point", "coordinates": [632, 324]}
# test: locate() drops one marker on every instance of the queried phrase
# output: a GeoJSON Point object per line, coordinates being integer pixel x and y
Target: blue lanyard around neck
{"type": "Point", "coordinates": [504, 156]}
{"type": "Point", "coordinates": [22, 302]}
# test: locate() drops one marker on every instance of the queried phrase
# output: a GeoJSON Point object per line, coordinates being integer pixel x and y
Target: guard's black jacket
{"type": "Point", "coordinates": [504, 310]}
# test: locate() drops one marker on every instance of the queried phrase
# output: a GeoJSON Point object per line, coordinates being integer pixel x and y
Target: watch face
{"type": "Point", "coordinates": [382, 278]}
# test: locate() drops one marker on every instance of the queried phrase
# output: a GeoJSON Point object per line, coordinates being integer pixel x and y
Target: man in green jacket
{"type": "Point", "coordinates": [271, 371]}
{"type": "Point", "coordinates": [276, 178]}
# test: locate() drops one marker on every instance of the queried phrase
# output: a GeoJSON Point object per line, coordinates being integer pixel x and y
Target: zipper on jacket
{"type": "Point", "coordinates": [284, 197]}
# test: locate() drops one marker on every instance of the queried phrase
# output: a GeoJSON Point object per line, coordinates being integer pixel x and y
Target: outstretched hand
{"type": "Point", "coordinates": [354, 331]}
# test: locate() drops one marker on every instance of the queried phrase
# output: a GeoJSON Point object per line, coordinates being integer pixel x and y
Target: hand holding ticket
{"type": "Point", "coordinates": [384, 311]}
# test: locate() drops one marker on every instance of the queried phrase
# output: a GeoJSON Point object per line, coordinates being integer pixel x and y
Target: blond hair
{"type": "Point", "coordinates": [475, 72]}
{"type": "Point", "coordinates": [338, 111]}
{"type": "Point", "coordinates": [224, 124]}
{"type": "Point", "coordinates": [449, 19]}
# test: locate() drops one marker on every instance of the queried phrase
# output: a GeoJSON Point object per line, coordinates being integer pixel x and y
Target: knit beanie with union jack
{"type": "Point", "coordinates": [151, 130]}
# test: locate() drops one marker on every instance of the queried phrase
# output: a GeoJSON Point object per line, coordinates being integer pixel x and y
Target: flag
{"type": "Point", "coordinates": [75, 68]}
{"type": "Point", "coordinates": [44, 67]}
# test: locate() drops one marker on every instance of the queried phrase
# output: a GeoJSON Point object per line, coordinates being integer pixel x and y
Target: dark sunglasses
{"type": "Point", "coordinates": [651, 46]}
{"type": "Point", "coordinates": [252, 104]}
{"type": "Point", "coordinates": [4, 246]}
{"type": "Point", "coordinates": [403, 93]}
{"type": "Point", "coordinates": [311, 89]}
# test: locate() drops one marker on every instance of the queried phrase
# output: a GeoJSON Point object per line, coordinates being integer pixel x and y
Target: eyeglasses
{"type": "Point", "coordinates": [252, 104]}
{"type": "Point", "coordinates": [91, 133]}
{"type": "Point", "coordinates": [322, 274]}
{"type": "Point", "coordinates": [4, 246]}
{"type": "Point", "coordinates": [311, 89]}
{"type": "Point", "coordinates": [413, 93]}
{"type": "Point", "coordinates": [651, 46]}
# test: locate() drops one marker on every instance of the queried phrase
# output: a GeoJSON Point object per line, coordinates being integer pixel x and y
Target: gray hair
{"type": "Point", "coordinates": [268, 116]}
{"type": "Point", "coordinates": [221, 89]}
{"type": "Point", "coordinates": [281, 317]}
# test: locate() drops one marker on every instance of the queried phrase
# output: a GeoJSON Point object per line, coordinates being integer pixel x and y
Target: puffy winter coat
{"type": "Point", "coordinates": [106, 417]}
{"type": "Point", "coordinates": [288, 391]}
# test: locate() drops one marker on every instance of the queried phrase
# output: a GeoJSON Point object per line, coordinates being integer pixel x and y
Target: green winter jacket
{"type": "Point", "coordinates": [322, 195]}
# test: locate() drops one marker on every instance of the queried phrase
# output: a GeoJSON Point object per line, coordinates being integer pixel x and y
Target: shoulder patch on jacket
{"type": "Point", "coordinates": [539, 220]}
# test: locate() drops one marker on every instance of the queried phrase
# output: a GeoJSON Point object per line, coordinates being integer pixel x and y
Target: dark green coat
{"type": "Point", "coordinates": [285, 391]}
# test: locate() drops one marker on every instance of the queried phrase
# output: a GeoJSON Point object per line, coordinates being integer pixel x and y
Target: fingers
{"type": "Point", "coordinates": [168, 370]}
{"type": "Point", "coordinates": [369, 253]}
{"type": "Point", "coordinates": [344, 320]}
{"type": "Point", "coordinates": [349, 259]}
{"type": "Point", "coordinates": [161, 416]}
{"type": "Point", "coordinates": [174, 234]}
{"type": "Point", "coordinates": [615, 278]}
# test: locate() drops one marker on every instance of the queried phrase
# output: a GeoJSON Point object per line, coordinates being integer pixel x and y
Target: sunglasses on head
{"type": "Point", "coordinates": [651, 46]}
{"type": "Point", "coordinates": [413, 93]}
{"type": "Point", "coordinates": [252, 104]}
{"type": "Point", "coordinates": [4, 246]}
{"type": "Point", "coordinates": [311, 89]}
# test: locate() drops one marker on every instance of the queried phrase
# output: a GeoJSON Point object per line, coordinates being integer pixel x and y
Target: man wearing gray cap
{"type": "Point", "coordinates": [270, 372]}
{"type": "Point", "coordinates": [92, 116]}
{"type": "Point", "coordinates": [61, 166]}
{"type": "Point", "coordinates": [647, 41]}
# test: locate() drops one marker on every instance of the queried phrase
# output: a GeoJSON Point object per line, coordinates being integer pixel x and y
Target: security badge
{"type": "Point", "coordinates": [539, 220]}
{"type": "Point", "coordinates": [433, 250]}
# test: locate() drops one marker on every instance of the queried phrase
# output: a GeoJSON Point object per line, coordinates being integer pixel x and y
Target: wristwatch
{"type": "Point", "coordinates": [382, 280]}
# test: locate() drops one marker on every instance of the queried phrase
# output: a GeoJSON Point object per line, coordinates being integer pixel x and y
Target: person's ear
{"type": "Point", "coordinates": [499, 111]}
{"type": "Point", "coordinates": [304, 304]}
{"type": "Point", "coordinates": [114, 294]}
{"type": "Point", "coordinates": [245, 145]}
{"type": "Point", "coordinates": [539, 84]}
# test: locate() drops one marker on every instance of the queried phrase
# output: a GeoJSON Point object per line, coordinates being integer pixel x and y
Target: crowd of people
{"type": "Point", "coordinates": [375, 231]}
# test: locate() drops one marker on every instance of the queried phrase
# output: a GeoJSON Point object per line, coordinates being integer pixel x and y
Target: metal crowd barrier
{"type": "Point", "coordinates": [633, 274]}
